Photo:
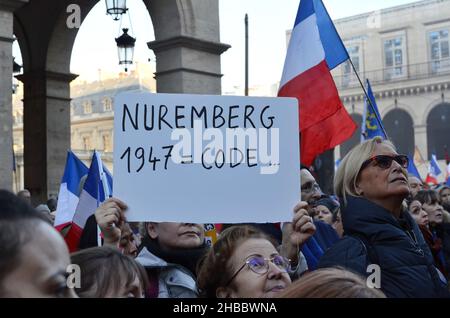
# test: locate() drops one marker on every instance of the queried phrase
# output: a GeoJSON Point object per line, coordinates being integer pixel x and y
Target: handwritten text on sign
{"type": "Point", "coordinates": [204, 159]}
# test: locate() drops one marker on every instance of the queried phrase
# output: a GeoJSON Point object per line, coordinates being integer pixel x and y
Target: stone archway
{"type": "Point", "coordinates": [438, 130]}
{"type": "Point", "coordinates": [400, 130]}
{"type": "Point", "coordinates": [188, 52]}
{"type": "Point", "coordinates": [354, 139]}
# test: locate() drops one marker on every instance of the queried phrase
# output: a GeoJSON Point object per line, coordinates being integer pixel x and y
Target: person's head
{"type": "Point", "coordinates": [107, 273]}
{"type": "Point", "coordinates": [430, 203]}
{"type": "Point", "coordinates": [310, 190]}
{"type": "Point", "coordinates": [375, 171]}
{"type": "Point", "coordinates": [324, 209]}
{"type": "Point", "coordinates": [418, 213]}
{"type": "Point", "coordinates": [172, 236]}
{"type": "Point", "coordinates": [52, 204]}
{"type": "Point", "coordinates": [415, 185]}
{"type": "Point", "coordinates": [331, 283]}
{"type": "Point", "coordinates": [128, 243]}
{"type": "Point", "coordinates": [25, 195]}
{"type": "Point", "coordinates": [33, 255]}
{"type": "Point", "coordinates": [243, 263]}
{"type": "Point", "coordinates": [45, 211]}
{"type": "Point", "coordinates": [444, 195]}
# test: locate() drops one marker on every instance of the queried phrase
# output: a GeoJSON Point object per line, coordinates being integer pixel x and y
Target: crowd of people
{"type": "Point", "coordinates": [381, 234]}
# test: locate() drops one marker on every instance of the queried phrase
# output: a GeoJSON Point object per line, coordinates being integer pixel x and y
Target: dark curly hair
{"type": "Point", "coordinates": [214, 270]}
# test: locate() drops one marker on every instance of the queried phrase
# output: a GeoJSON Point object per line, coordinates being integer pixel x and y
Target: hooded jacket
{"type": "Point", "coordinates": [374, 235]}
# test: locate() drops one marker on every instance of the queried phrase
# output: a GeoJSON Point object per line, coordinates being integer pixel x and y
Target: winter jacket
{"type": "Point", "coordinates": [374, 236]}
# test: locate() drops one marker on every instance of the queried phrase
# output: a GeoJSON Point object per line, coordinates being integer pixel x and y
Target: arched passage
{"type": "Point", "coordinates": [188, 52]}
{"type": "Point", "coordinates": [400, 130]}
{"type": "Point", "coordinates": [356, 137]}
{"type": "Point", "coordinates": [438, 130]}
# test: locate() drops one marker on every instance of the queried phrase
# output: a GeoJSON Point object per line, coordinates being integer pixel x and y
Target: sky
{"type": "Point", "coordinates": [269, 20]}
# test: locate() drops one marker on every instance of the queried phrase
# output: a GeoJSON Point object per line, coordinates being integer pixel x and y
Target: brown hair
{"type": "Point", "coordinates": [214, 268]}
{"type": "Point", "coordinates": [334, 282]}
{"type": "Point", "coordinates": [427, 197]}
{"type": "Point", "coordinates": [106, 268]}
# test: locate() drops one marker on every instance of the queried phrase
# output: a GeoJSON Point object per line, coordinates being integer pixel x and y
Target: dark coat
{"type": "Point", "coordinates": [374, 235]}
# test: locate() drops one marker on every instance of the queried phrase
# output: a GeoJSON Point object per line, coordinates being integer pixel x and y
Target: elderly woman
{"type": "Point", "coordinates": [372, 183]}
{"type": "Point", "coordinates": [245, 262]}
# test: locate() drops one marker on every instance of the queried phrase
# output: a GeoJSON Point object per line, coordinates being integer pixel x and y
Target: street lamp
{"type": "Point", "coordinates": [16, 67]}
{"type": "Point", "coordinates": [116, 8]}
{"type": "Point", "coordinates": [16, 70]}
{"type": "Point", "coordinates": [125, 47]}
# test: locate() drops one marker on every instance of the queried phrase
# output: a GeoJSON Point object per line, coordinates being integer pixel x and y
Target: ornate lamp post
{"type": "Point", "coordinates": [125, 47]}
{"type": "Point", "coordinates": [116, 8]}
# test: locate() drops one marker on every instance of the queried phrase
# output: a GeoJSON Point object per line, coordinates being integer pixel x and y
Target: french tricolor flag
{"type": "Point", "coordinates": [97, 188]}
{"type": "Point", "coordinates": [69, 191]}
{"type": "Point", "coordinates": [433, 171]}
{"type": "Point", "coordinates": [314, 49]}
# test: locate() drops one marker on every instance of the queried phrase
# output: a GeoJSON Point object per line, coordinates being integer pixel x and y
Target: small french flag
{"type": "Point", "coordinates": [433, 171]}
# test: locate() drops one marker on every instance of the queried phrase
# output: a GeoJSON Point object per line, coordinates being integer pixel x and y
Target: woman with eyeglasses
{"type": "Point", "coordinates": [371, 183]}
{"type": "Point", "coordinates": [245, 262]}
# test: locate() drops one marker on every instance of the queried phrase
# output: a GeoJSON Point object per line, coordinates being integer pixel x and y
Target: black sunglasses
{"type": "Point", "coordinates": [384, 161]}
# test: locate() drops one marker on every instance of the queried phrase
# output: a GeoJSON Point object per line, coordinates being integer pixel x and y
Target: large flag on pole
{"type": "Point", "coordinates": [96, 189]}
{"type": "Point", "coordinates": [372, 125]}
{"type": "Point", "coordinates": [314, 49]}
{"type": "Point", "coordinates": [433, 171]}
{"type": "Point", "coordinates": [68, 196]}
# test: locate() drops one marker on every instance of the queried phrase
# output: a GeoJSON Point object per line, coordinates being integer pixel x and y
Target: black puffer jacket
{"type": "Point", "coordinates": [374, 235]}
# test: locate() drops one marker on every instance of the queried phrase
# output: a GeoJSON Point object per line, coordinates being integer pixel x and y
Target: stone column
{"type": "Point", "coordinates": [421, 139]}
{"type": "Point", "coordinates": [7, 8]}
{"type": "Point", "coordinates": [186, 64]}
{"type": "Point", "coordinates": [46, 131]}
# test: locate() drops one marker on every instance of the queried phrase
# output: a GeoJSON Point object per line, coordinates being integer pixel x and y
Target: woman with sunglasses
{"type": "Point", "coordinates": [245, 262]}
{"type": "Point", "coordinates": [371, 183]}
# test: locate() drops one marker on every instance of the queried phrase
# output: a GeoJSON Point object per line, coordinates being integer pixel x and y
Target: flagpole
{"type": "Point", "coordinates": [367, 97]}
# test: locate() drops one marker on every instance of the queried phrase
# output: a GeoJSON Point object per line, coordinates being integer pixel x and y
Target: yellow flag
{"type": "Point", "coordinates": [418, 159]}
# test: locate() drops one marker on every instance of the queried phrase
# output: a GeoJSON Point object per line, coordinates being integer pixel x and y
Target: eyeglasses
{"type": "Point", "coordinates": [384, 161]}
{"type": "Point", "coordinates": [260, 265]}
{"type": "Point", "coordinates": [309, 187]}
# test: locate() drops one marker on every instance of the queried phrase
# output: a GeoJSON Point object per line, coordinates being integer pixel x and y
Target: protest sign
{"type": "Point", "coordinates": [205, 158]}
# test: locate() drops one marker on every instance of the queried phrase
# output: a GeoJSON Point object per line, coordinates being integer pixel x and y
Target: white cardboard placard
{"type": "Point", "coordinates": [175, 160]}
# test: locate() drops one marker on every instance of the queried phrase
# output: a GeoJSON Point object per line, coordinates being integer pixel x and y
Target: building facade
{"type": "Point", "coordinates": [91, 113]}
{"type": "Point", "coordinates": [404, 52]}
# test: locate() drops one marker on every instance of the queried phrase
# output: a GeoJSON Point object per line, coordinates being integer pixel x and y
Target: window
{"type": "Point", "coordinates": [348, 75]}
{"type": "Point", "coordinates": [107, 104]}
{"type": "Point", "coordinates": [87, 107]}
{"type": "Point", "coordinates": [87, 143]}
{"type": "Point", "coordinates": [106, 143]}
{"type": "Point", "coordinates": [439, 51]}
{"type": "Point", "coordinates": [394, 58]}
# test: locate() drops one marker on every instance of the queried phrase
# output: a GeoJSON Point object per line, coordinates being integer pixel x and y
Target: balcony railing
{"type": "Point", "coordinates": [397, 73]}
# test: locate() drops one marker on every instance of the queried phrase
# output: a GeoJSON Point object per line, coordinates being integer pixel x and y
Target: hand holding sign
{"type": "Point", "coordinates": [297, 232]}
{"type": "Point", "coordinates": [302, 225]}
{"type": "Point", "coordinates": [110, 217]}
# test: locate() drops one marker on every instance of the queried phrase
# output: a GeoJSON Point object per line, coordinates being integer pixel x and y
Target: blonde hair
{"type": "Point", "coordinates": [348, 171]}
